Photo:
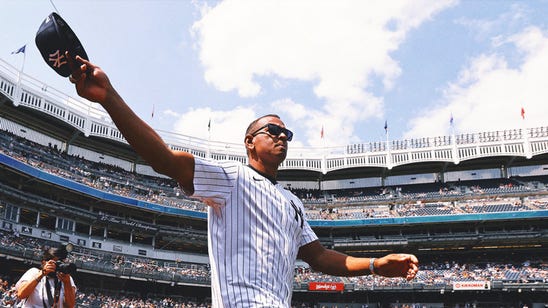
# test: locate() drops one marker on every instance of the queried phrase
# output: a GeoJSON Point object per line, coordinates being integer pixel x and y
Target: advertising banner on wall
{"type": "Point", "coordinates": [326, 286]}
{"type": "Point", "coordinates": [471, 285]}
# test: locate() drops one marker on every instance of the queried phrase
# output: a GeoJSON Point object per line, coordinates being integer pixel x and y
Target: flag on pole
{"type": "Point", "coordinates": [386, 126]}
{"type": "Point", "coordinates": [209, 125]}
{"type": "Point", "coordinates": [522, 113]}
{"type": "Point", "coordinates": [321, 133]}
{"type": "Point", "coordinates": [20, 50]}
{"type": "Point", "coordinates": [451, 120]}
{"type": "Point", "coordinates": [152, 115]}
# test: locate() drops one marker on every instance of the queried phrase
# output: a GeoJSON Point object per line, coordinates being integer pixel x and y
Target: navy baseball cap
{"type": "Point", "coordinates": [53, 39]}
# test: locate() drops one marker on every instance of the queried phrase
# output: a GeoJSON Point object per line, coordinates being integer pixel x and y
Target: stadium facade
{"type": "Point", "coordinates": [473, 207]}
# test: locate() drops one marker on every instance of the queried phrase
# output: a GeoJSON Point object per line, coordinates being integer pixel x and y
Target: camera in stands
{"type": "Point", "coordinates": [61, 253]}
{"type": "Point", "coordinates": [65, 267]}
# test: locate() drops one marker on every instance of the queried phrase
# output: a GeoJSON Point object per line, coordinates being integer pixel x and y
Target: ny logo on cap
{"type": "Point", "coordinates": [57, 59]}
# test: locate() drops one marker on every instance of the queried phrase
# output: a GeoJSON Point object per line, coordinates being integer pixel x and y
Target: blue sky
{"type": "Point", "coordinates": [346, 66]}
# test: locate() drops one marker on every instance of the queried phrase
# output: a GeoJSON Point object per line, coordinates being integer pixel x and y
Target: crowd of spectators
{"type": "Point", "coordinates": [98, 175]}
{"type": "Point", "coordinates": [435, 274]}
{"type": "Point", "coordinates": [91, 299]}
{"type": "Point", "coordinates": [324, 205]}
{"type": "Point", "coordinates": [333, 205]}
{"type": "Point", "coordinates": [419, 208]}
{"type": "Point", "coordinates": [7, 293]}
{"type": "Point", "coordinates": [443, 272]}
{"type": "Point", "coordinates": [99, 300]}
{"type": "Point", "coordinates": [419, 143]}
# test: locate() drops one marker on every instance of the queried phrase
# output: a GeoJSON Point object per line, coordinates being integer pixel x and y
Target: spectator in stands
{"type": "Point", "coordinates": [46, 286]}
{"type": "Point", "coordinates": [257, 228]}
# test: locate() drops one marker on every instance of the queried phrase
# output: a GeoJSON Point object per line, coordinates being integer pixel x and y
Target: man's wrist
{"type": "Point", "coordinates": [372, 266]}
{"type": "Point", "coordinates": [40, 276]}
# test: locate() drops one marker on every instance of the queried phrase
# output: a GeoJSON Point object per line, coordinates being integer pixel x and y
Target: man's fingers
{"type": "Point", "coordinates": [82, 60]}
{"type": "Point", "coordinates": [79, 67]}
{"type": "Point", "coordinates": [72, 64]}
{"type": "Point", "coordinates": [413, 266]}
{"type": "Point", "coordinates": [86, 67]}
{"type": "Point", "coordinates": [76, 78]}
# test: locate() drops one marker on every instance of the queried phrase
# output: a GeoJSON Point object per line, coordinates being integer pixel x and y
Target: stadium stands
{"type": "Point", "coordinates": [445, 198]}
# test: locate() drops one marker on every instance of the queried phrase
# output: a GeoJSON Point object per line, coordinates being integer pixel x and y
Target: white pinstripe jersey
{"type": "Point", "coordinates": [255, 229]}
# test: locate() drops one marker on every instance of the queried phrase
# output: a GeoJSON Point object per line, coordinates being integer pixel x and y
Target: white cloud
{"type": "Point", "coordinates": [226, 126]}
{"type": "Point", "coordinates": [489, 93]}
{"type": "Point", "coordinates": [295, 111]}
{"type": "Point", "coordinates": [341, 46]}
{"type": "Point", "coordinates": [483, 28]}
{"type": "Point", "coordinates": [170, 113]}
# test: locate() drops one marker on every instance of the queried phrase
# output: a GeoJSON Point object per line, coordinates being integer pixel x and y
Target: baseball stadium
{"type": "Point", "coordinates": [472, 207]}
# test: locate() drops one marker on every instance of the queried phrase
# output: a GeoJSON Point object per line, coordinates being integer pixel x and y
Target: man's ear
{"type": "Point", "coordinates": [248, 141]}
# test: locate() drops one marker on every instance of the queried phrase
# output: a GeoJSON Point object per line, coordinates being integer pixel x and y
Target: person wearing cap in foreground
{"type": "Point", "coordinates": [256, 228]}
{"type": "Point", "coordinates": [46, 286]}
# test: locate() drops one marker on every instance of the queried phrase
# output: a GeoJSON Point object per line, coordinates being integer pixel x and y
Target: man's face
{"type": "Point", "coordinates": [270, 147]}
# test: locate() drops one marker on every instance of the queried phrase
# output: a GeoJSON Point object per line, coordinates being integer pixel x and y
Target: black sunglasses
{"type": "Point", "coordinates": [274, 130]}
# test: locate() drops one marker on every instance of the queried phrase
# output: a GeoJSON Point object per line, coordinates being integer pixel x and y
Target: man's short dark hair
{"type": "Point", "coordinates": [252, 124]}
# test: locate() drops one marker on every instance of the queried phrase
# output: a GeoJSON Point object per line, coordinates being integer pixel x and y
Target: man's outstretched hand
{"type": "Point", "coordinates": [90, 80]}
{"type": "Point", "coordinates": [397, 265]}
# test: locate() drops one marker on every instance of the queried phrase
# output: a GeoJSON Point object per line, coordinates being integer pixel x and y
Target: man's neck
{"type": "Point", "coordinates": [265, 174]}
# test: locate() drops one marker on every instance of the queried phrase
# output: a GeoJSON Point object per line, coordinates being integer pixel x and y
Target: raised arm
{"type": "Point", "coordinates": [338, 264]}
{"type": "Point", "coordinates": [93, 84]}
{"type": "Point", "coordinates": [28, 283]}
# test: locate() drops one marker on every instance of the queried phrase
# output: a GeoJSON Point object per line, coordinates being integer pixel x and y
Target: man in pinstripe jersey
{"type": "Point", "coordinates": [256, 228]}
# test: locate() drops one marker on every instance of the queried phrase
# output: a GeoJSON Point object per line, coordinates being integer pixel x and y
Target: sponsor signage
{"type": "Point", "coordinates": [471, 285]}
{"type": "Point", "coordinates": [125, 222]}
{"type": "Point", "coordinates": [326, 286]}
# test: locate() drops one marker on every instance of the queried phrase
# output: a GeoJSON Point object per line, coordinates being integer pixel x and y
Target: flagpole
{"type": "Point", "coordinates": [323, 139]}
{"type": "Point", "coordinates": [527, 144]}
{"type": "Point", "coordinates": [454, 151]}
{"type": "Point", "coordinates": [18, 89]}
{"type": "Point", "coordinates": [324, 152]}
{"type": "Point", "coordinates": [18, 86]}
{"type": "Point", "coordinates": [209, 130]}
{"type": "Point", "coordinates": [24, 59]}
{"type": "Point", "coordinates": [208, 154]}
{"type": "Point", "coordinates": [388, 157]}
{"type": "Point", "coordinates": [451, 120]}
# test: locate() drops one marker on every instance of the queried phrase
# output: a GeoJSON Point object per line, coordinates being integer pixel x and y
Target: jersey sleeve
{"type": "Point", "coordinates": [308, 234]}
{"type": "Point", "coordinates": [214, 181]}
